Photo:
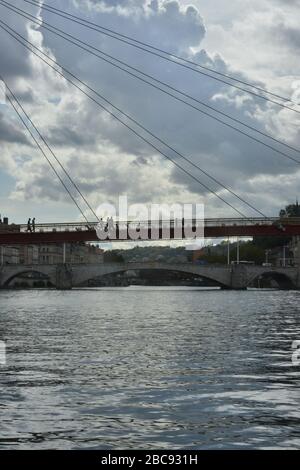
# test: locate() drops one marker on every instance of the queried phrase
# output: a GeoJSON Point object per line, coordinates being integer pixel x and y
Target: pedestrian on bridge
{"type": "Point", "coordinates": [29, 226]}
{"type": "Point", "coordinates": [33, 224]}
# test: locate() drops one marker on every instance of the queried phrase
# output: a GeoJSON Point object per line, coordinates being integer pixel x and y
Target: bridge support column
{"type": "Point", "coordinates": [297, 283]}
{"type": "Point", "coordinates": [64, 277]}
{"type": "Point", "coordinates": [239, 278]}
{"type": "Point", "coordinates": [1, 276]}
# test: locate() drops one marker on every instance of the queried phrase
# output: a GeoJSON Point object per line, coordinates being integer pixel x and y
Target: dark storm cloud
{"type": "Point", "coordinates": [287, 35]}
{"type": "Point", "coordinates": [229, 156]}
{"type": "Point", "coordinates": [112, 3]}
{"type": "Point", "coordinates": [225, 153]}
{"type": "Point", "coordinates": [25, 96]}
{"type": "Point", "coordinates": [10, 133]}
{"type": "Point", "coordinates": [289, 2]}
{"type": "Point", "coordinates": [46, 186]}
{"type": "Point", "coordinates": [66, 137]}
{"type": "Point", "coordinates": [14, 57]}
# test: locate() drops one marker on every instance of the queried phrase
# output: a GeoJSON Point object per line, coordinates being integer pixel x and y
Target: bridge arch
{"type": "Point", "coordinates": [282, 279]}
{"type": "Point", "coordinates": [12, 276]}
{"type": "Point", "coordinates": [9, 272]}
{"type": "Point", "coordinates": [220, 278]}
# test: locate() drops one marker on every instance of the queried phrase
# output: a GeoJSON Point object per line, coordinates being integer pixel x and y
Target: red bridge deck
{"type": "Point", "coordinates": [213, 228]}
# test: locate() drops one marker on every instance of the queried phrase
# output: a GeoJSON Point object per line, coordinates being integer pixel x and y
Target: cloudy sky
{"type": "Point", "coordinates": [257, 41]}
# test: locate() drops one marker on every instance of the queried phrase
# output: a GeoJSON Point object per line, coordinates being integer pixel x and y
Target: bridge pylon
{"type": "Point", "coordinates": [64, 278]}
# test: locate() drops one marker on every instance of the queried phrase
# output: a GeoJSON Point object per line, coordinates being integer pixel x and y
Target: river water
{"type": "Point", "coordinates": [142, 368]}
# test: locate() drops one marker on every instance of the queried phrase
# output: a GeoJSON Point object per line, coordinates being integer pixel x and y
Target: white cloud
{"type": "Point", "coordinates": [105, 158]}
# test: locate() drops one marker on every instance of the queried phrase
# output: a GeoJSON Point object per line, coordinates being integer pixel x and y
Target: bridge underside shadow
{"type": "Point", "coordinates": [158, 277]}
{"type": "Point", "coordinates": [239, 277]}
{"type": "Point", "coordinates": [273, 279]}
{"type": "Point", "coordinates": [28, 279]}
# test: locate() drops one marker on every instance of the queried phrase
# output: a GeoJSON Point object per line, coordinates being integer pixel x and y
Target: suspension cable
{"type": "Point", "coordinates": [49, 162]}
{"type": "Point", "coordinates": [60, 33]}
{"type": "Point", "coordinates": [123, 122]}
{"type": "Point", "coordinates": [169, 56]}
{"type": "Point", "coordinates": [49, 148]}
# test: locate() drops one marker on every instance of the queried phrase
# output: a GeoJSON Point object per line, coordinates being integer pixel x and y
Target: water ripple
{"type": "Point", "coordinates": [134, 368]}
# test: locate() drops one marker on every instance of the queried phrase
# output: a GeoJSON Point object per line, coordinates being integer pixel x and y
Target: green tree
{"type": "Point", "coordinates": [292, 210]}
{"type": "Point", "coordinates": [113, 257]}
{"type": "Point", "coordinates": [250, 252]}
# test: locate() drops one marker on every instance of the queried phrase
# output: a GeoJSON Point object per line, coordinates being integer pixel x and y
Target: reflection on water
{"type": "Point", "coordinates": [149, 368]}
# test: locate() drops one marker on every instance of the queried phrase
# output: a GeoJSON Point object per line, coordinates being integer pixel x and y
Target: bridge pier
{"type": "Point", "coordinates": [64, 278]}
{"type": "Point", "coordinates": [1, 278]}
{"type": "Point", "coordinates": [238, 277]}
{"type": "Point", "coordinates": [297, 279]}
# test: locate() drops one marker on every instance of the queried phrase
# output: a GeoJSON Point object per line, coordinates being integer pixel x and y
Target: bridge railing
{"type": "Point", "coordinates": [84, 226]}
{"type": "Point", "coordinates": [211, 222]}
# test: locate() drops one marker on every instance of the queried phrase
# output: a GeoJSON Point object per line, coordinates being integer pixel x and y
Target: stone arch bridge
{"type": "Point", "coordinates": [65, 276]}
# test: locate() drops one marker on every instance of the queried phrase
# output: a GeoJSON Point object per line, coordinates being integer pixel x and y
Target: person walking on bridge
{"type": "Point", "coordinates": [29, 225]}
{"type": "Point", "coordinates": [33, 224]}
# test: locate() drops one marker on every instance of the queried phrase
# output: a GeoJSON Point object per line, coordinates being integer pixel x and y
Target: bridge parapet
{"type": "Point", "coordinates": [229, 277]}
